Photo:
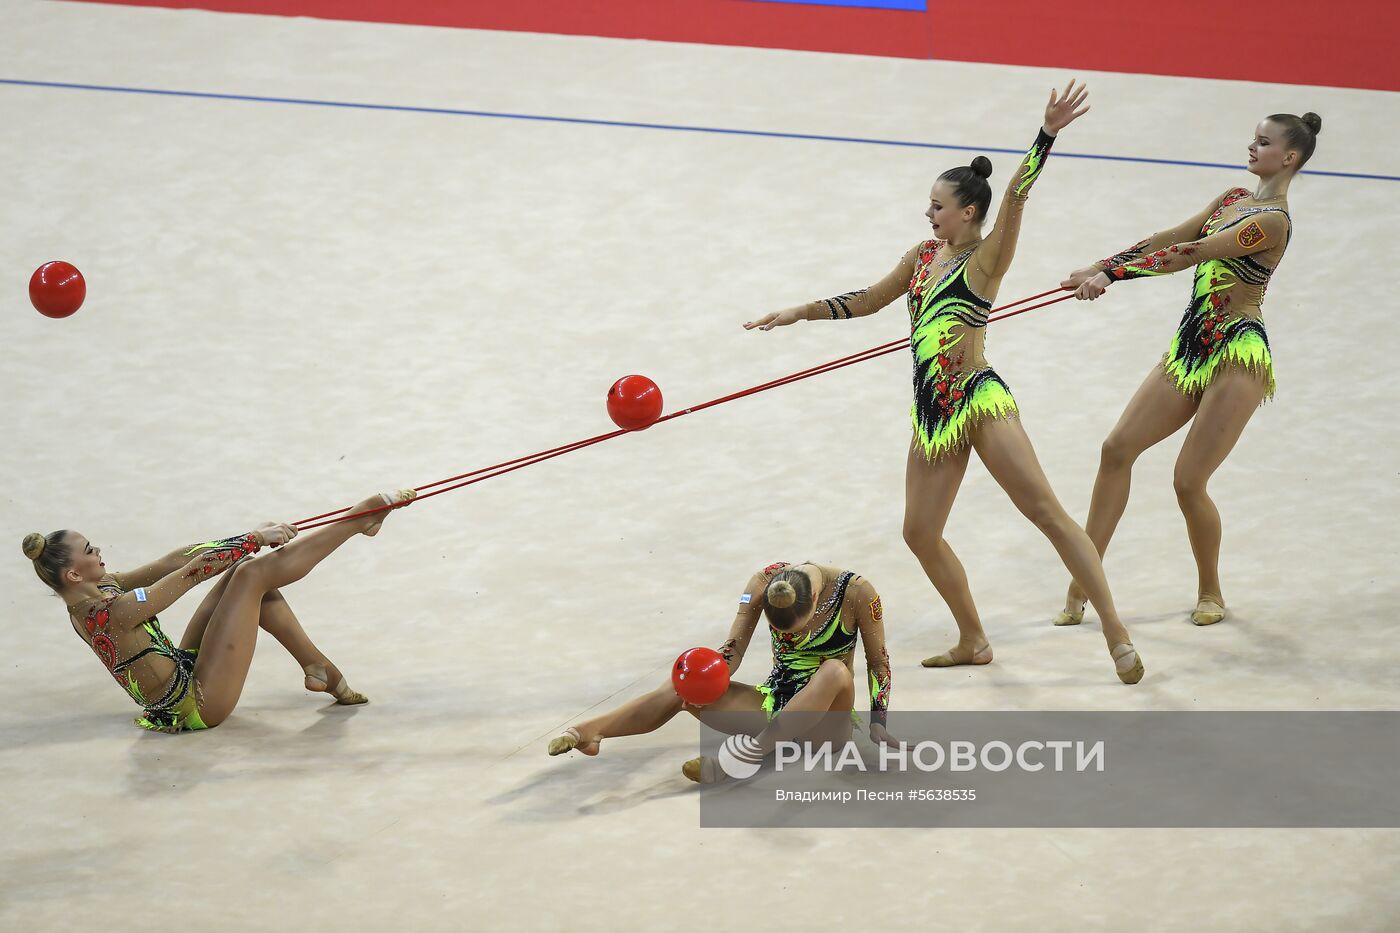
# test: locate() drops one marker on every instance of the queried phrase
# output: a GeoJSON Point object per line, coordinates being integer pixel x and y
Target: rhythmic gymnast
{"type": "Point", "coordinates": [960, 403]}
{"type": "Point", "coordinates": [815, 616]}
{"type": "Point", "coordinates": [1218, 369]}
{"type": "Point", "coordinates": [197, 685]}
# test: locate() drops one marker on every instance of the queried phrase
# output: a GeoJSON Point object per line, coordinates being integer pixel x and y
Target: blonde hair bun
{"type": "Point", "coordinates": [34, 545]}
{"type": "Point", "coordinates": [781, 594]}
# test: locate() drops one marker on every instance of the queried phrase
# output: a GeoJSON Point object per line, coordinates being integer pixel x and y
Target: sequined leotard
{"type": "Point", "coordinates": [797, 655]}
{"type": "Point", "coordinates": [954, 387]}
{"type": "Point", "coordinates": [150, 656]}
{"type": "Point", "coordinates": [949, 400]}
{"type": "Point", "coordinates": [850, 613]}
{"type": "Point", "coordinates": [1241, 243]}
{"type": "Point", "coordinates": [176, 709]}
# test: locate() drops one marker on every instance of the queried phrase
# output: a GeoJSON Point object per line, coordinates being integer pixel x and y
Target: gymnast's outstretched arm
{"type": "Point", "coordinates": [852, 304]}
{"type": "Point", "coordinates": [994, 255]}
{"type": "Point", "coordinates": [1181, 233]}
{"type": "Point", "coordinates": [147, 574]}
{"type": "Point", "coordinates": [134, 607]}
{"type": "Point", "coordinates": [1263, 231]}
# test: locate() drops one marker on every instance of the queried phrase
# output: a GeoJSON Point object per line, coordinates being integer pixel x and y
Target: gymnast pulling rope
{"type": "Point", "coordinates": [509, 466]}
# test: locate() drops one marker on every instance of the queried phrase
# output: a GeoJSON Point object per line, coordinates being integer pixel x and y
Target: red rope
{"type": "Point", "coordinates": [1052, 301]}
{"type": "Point", "coordinates": [519, 463]}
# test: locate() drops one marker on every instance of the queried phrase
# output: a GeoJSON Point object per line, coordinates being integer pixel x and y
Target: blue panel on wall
{"type": "Point", "coordinates": [920, 5]}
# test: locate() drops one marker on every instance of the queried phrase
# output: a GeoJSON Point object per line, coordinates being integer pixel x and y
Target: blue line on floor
{"type": "Point", "coordinates": [674, 127]}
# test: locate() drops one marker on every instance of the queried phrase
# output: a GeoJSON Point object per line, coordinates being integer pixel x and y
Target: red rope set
{"type": "Point", "coordinates": [510, 466]}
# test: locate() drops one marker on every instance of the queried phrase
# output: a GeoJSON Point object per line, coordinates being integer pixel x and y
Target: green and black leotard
{"type": "Point", "coordinates": [143, 654]}
{"type": "Point", "coordinates": [950, 294]}
{"type": "Point", "coordinates": [949, 399]}
{"type": "Point", "coordinates": [1239, 243]}
{"type": "Point", "coordinates": [849, 612]}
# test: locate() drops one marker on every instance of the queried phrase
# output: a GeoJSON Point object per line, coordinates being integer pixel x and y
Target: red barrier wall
{"type": "Point", "coordinates": [1343, 43]}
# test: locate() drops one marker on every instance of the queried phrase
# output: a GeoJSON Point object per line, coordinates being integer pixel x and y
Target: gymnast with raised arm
{"type": "Point", "coordinates": [961, 404]}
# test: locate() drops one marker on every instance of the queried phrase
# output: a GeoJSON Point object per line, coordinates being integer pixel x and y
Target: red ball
{"type": "Point", "coordinates": [634, 403]}
{"type": "Point", "coordinates": [57, 289]}
{"type": "Point", "coordinates": [700, 676]}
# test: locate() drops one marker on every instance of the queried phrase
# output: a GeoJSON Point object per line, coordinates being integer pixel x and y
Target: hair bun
{"type": "Point", "coordinates": [34, 545]}
{"type": "Point", "coordinates": [781, 594]}
{"type": "Point", "coordinates": [982, 167]}
{"type": "Point", "coordinates": [1312, 121]}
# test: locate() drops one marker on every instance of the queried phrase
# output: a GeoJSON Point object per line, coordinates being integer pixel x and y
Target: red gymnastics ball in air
{"type": "Point", "coordinates": [700, 676]}
{"type": "Point", "coordinates": [634, 403]}
{"type": "Point", "coordinates": [57, 289]}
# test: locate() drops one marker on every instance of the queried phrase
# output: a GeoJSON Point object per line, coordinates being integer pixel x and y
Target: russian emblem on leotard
{"type": "Point", "coordinates": [1252, 235]}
